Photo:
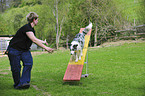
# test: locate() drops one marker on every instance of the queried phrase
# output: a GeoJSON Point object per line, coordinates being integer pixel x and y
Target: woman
{"type": "Point", "coordinates": [19, 50]}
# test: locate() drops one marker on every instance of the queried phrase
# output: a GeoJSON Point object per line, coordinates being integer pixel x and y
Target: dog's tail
{"type": "Point", "coordinates": [88, 28]}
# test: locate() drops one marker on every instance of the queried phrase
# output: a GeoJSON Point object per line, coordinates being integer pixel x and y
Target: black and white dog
{"type": "Point", "coordinates": [77, 44]}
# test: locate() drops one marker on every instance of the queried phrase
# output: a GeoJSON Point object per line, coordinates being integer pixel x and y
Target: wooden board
{"type": "Point", "coordinates": [74, 69]}
{"type": "Point", "coordinates": [73, 73]}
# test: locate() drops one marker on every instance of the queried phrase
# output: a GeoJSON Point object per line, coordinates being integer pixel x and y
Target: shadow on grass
{"type": "Point", "coordinates": [73, 83]}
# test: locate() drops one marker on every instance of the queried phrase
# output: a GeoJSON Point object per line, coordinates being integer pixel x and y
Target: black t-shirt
{"type": "Point", "coordinates": [21, 41]}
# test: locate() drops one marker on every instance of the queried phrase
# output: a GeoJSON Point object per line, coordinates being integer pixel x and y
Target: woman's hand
{"type": "Point", "coordinates": [45, 42]}
{"type": "Point", "coordinates": [49, 50]}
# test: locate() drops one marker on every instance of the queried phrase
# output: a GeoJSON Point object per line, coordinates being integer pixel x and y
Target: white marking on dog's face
{"type": "Point", "coordinates": [73, 47]}
{"type": "Point", "coordinates": [72, 52]}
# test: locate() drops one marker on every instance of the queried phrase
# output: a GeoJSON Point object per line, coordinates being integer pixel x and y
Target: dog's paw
{"type": "Point", "coordinates": [79, 58]}
{"type": "Point", "coordinates": [76, 60]}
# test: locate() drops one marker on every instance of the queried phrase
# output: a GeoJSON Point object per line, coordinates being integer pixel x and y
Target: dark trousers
{"type": "Point", "coordinates": [15, 57]}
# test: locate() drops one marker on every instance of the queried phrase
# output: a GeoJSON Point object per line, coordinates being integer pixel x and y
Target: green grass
{"type": "Point", "coordinates": [129, 8]}
{"type": "Point", "coordinates": [113, 71]}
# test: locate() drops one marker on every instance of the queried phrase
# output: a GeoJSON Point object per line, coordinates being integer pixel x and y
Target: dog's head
{"type": "Point", "coordinates": [88, 28]}
{"type": "Point", "coordinates": [73, 47]}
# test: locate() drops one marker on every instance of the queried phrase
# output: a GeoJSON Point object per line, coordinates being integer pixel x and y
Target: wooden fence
{"type": "Point", "coordinates": [136, 33]}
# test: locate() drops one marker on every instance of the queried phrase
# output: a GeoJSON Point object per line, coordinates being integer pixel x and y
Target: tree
{"type": "Point", "coordinates": [2, 5]}
{"type": "Point", "coordinates": [59, 21]}
{"type": "Point", "coordinates": [17, 21]}
{"type": "Point", "coordinates": [3, 26]}
{"type": "Point", "coordinates": [15, 3]}
{"type": "Point", "coordinates": [141, 12]}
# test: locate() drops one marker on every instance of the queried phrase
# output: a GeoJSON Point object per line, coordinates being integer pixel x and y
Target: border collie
{"type": "Point", "coordinates": [77, 44]}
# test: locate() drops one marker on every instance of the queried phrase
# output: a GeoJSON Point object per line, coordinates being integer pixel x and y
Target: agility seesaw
{"type": "Point", "coordinates": [74, 69]}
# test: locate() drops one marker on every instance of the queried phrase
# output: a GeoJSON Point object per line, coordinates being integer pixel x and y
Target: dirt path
{"type": "Point", "coordinates": [119, 43]}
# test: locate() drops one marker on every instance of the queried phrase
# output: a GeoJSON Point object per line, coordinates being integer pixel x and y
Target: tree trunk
{"type": "Point", "coordinates": [3, 5]}
{"type": "Point", "coordinates": [55, 13]}
{"type": "Point", "coordinates": [95, 43]}
{"type": "Point", "coordinates": [67, 41]}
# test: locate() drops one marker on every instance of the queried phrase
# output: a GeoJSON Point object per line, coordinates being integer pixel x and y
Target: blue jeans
{"type": "Point", "coordinates": [15, 57]}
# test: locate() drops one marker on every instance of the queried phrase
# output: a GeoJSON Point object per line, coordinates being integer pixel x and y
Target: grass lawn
{"type": "Point", "coordinates": [113, 71]}
{"type": "Point", "coordinates": [129, 8]}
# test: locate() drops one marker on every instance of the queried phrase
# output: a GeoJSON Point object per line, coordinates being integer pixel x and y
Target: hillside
{"type": "Point", "coordinates": [128, 8]}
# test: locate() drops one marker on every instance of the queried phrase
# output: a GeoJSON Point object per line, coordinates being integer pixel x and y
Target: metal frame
{"type": "Point", "coordinates": [86, 75]}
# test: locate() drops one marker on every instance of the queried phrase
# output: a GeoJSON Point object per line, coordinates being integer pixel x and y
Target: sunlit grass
{"type": "Point", "coordinates": [128, 8]}
{"type": "Point", "coordinates": [113, 71]}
